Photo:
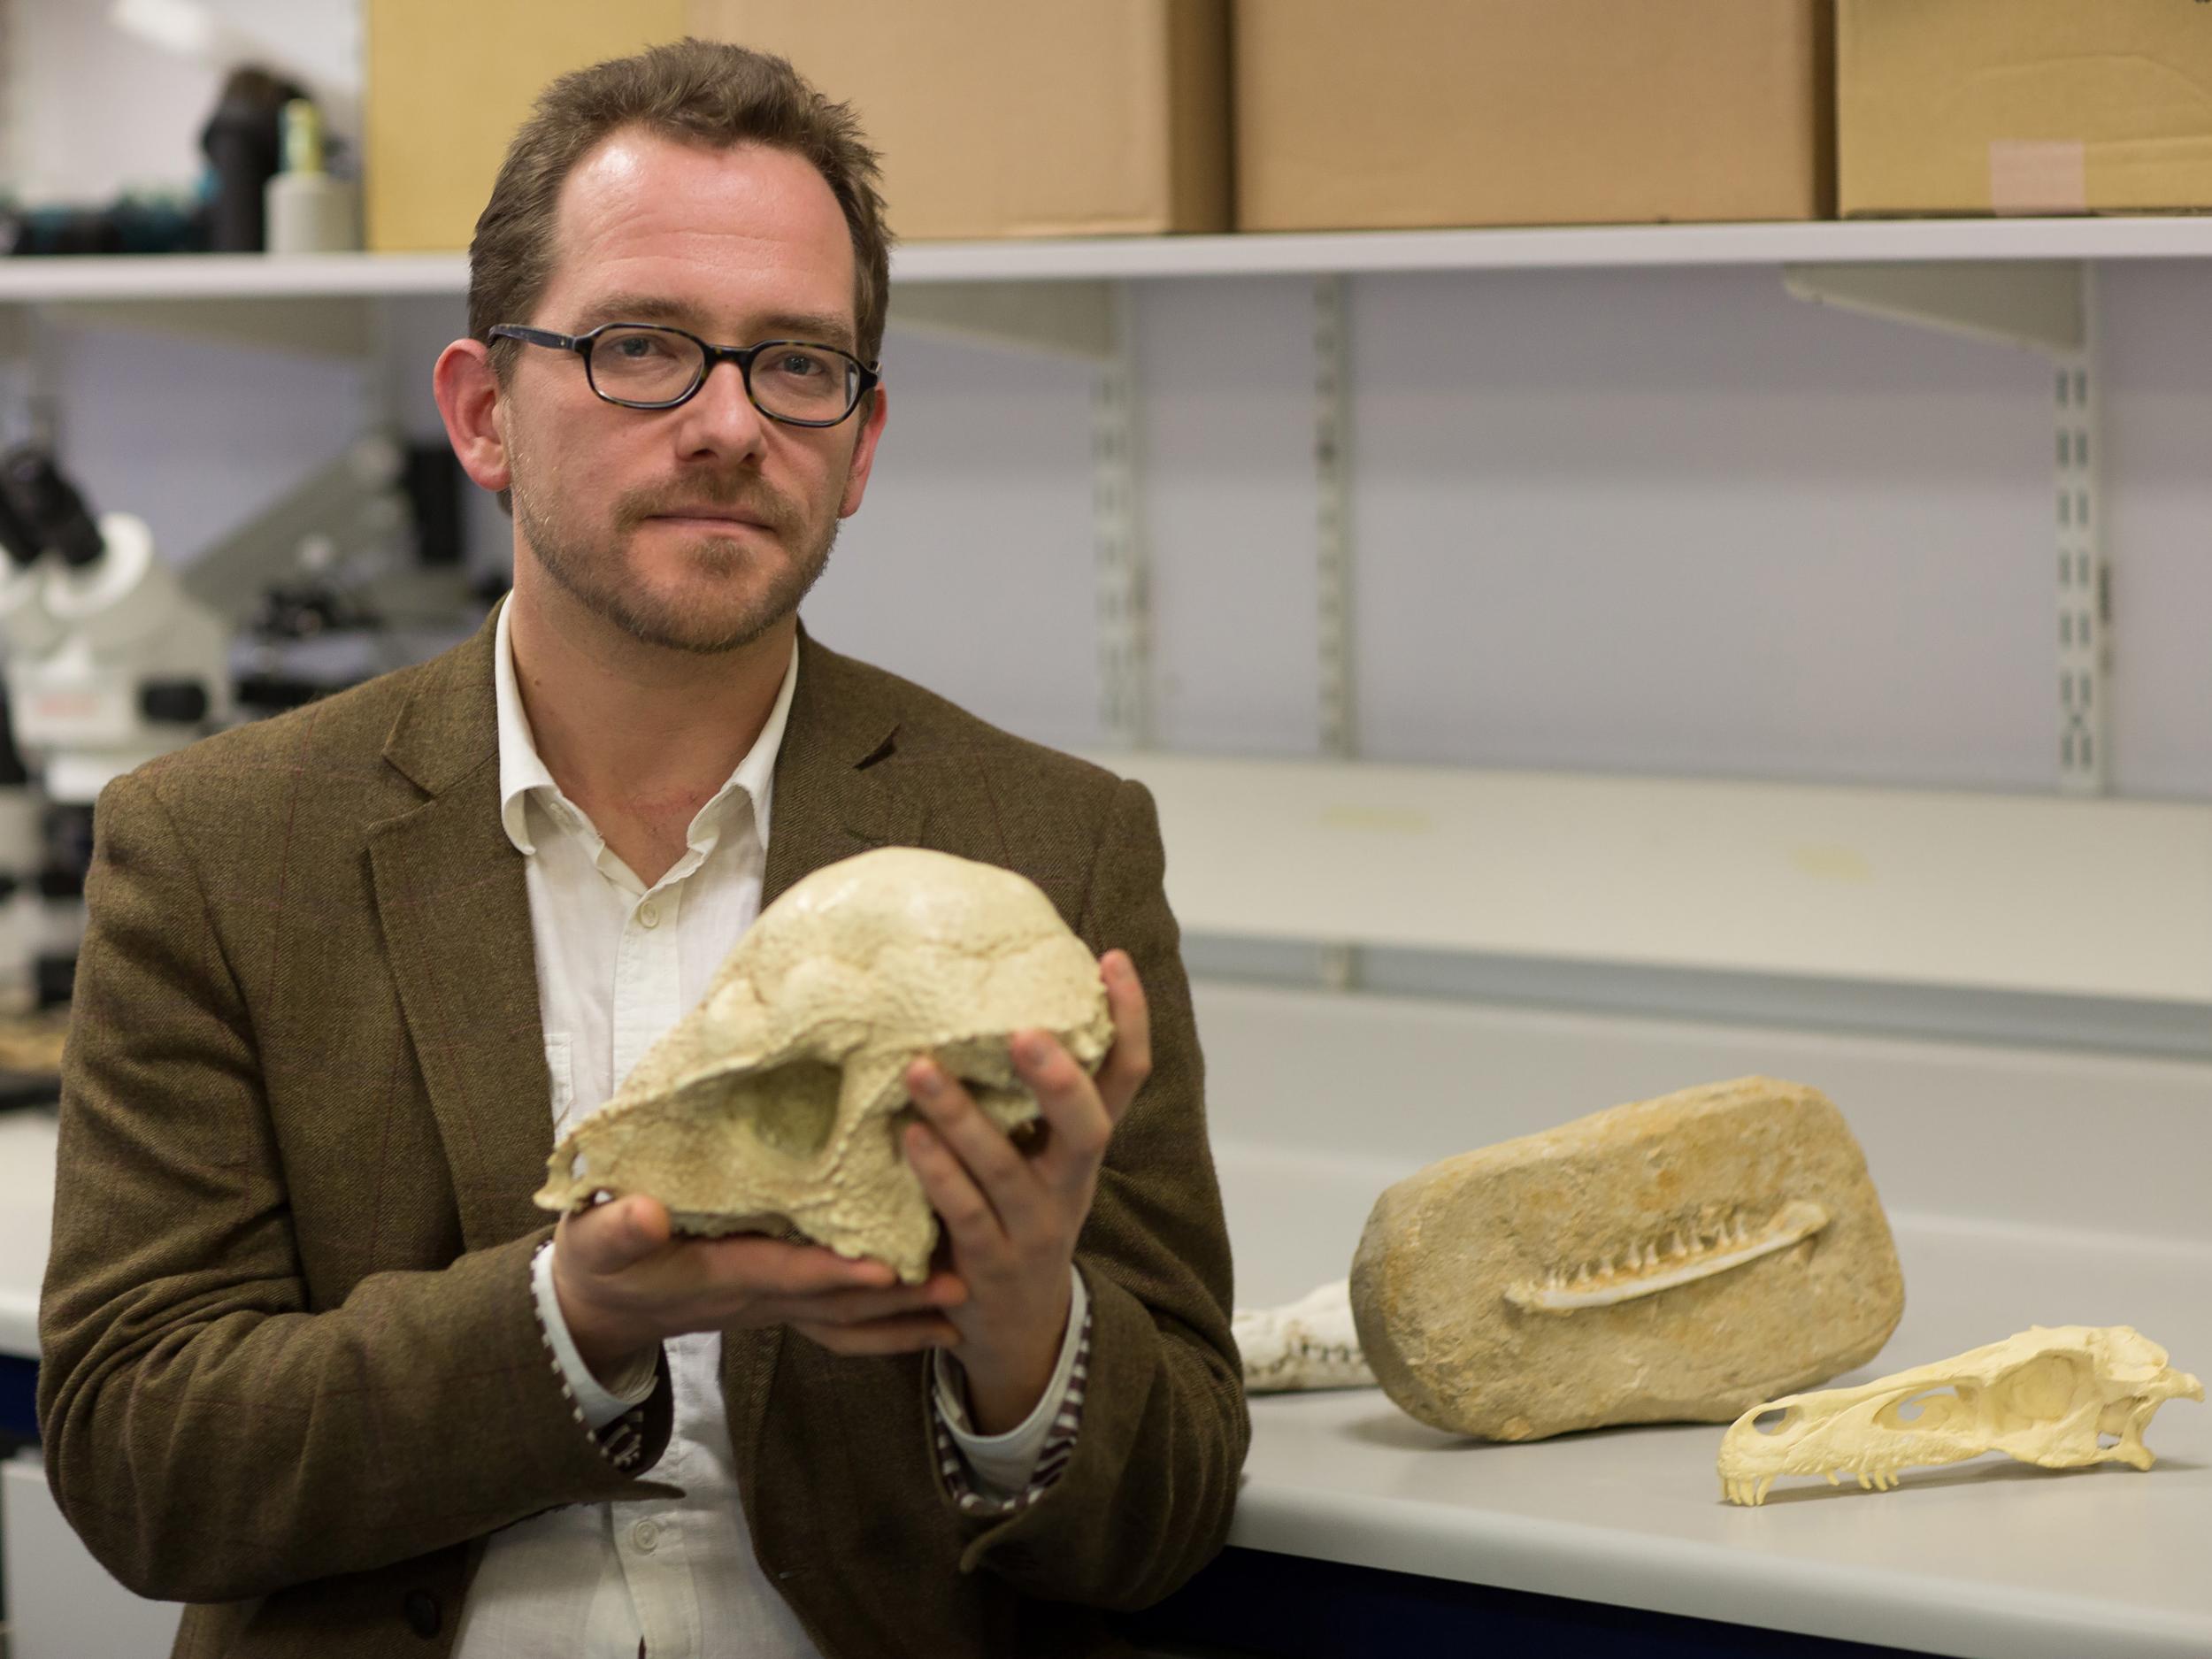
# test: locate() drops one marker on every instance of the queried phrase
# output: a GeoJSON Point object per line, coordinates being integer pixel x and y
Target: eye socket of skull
{"type": "Point", "coordinates": [791, 1109]}
{"type": "Point", "coordinates": [2045, 1388]}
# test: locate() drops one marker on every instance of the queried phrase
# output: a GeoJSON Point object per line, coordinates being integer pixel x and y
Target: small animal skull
{"type": "Point", "coordinates": [1310, 1343]}
{"type": "Point", "coordinates": [2045, 1396]}
{"type": "Point", "coordinates": [779, 1100]}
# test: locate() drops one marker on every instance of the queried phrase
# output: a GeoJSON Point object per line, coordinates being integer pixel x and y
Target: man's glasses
{"type": "Point", "coordinates": [643, 365]}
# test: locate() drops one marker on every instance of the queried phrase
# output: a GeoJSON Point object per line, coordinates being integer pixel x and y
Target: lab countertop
{"type": "Point", "coordinates": [1990, 1559]}
{"type": "Point", "coordinates": [1993, 1559]}
{"type": "Point", "coordinates": [26, 1223]}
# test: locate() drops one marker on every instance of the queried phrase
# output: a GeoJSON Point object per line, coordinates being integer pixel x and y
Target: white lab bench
{"type": "Point", "coordinates": [62, 1604]}
{"type": "Point", "coordinates": [1992, 1559]}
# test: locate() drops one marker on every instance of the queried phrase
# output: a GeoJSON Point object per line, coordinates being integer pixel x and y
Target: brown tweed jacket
{"type": "Point", "coordinates": [291, 1371]}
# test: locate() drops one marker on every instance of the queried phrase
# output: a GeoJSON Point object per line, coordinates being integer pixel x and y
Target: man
{"type": "Point", "coordinates": [311, 1355]}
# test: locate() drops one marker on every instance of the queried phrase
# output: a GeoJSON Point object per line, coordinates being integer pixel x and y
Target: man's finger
{"type": "Point", "coordinates": [906, 1333]}
{"type": "Point", "coordinates": [776, 1267]}
{"type": "Point", "coordinates": [977, 1233]}
{"type": "Point", "coordinates": [934, 1294]}
{"type": "Point", "coordinates": [1129, 1062]}
{"type": "Point", "coordinates": [1072, 1105]}
{"type": "Point", "coordinates": [986, 1162]}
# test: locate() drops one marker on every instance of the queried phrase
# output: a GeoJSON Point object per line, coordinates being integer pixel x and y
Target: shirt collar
{"type": "Point", "coordinates": [522, 772]}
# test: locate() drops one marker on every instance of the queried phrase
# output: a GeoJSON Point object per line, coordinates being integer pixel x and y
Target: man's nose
{"type": "Point", "coordinates": [720, 417]}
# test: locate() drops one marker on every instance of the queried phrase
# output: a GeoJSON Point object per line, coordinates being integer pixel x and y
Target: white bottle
{"type": "Point", "coordinates": [308, 210]}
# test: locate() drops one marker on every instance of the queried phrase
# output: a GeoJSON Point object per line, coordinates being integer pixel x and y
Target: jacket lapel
{"type": "Point", "coordinates": [456, 917]}
{"type": "Point", "coordinates": [837, 793]}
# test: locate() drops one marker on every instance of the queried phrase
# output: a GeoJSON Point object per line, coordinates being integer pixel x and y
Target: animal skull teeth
{"type": "Point", "coordinates": [1728, 1241]}
{"type": "Point", "coordinates": [2048, 1396]}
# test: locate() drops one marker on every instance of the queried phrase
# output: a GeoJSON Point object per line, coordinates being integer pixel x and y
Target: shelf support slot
{"type": "Point", "coordinates": [1340, 963]}
{"type": "Point", "coordinates": [2047, 306]}
{"type": "Point", "coordinates": [1121, 557]}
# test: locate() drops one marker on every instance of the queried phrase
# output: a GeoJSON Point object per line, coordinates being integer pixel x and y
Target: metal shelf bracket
{"type": "Point", "coordinates": [2035, 303]}
{"type": "Point", "coordinates": [2047, 306]}
{"type": "Point", "coordinates": [1062, 318]}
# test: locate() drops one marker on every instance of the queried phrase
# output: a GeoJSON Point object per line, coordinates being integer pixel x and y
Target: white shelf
{"type": "Point", "coordinates": [236, 276]}
{"type": "Point", "coordinates": [1585, 246]}
{"type": "Point", "coordinates": [2037, 894]}
{"type": "Point", "coordinates": [230, 276]}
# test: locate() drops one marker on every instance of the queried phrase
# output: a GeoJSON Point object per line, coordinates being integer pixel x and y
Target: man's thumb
{"type": "Point", "coordinates": [617, 1235]}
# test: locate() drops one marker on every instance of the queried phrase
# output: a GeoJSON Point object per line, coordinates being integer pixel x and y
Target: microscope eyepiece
{"type": "Point", "coordinates": [50, 506]}
{"type": "Point", "coordinates": [18, 540]}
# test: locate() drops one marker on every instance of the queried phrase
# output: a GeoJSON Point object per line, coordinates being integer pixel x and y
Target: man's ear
{"type": "Point", "coordinates": [871, 416]}
{"type": "Point", "coordinates": [469, 394]}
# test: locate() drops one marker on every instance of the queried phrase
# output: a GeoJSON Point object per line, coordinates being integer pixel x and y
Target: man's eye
{"type": "Point", "coordinates": [638, 348]}
{"type": "Point", "coordinates": [802, 365]}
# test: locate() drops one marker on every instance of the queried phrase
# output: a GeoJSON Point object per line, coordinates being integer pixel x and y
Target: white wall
{"type": "Point", "coordinates": [1648, 521]}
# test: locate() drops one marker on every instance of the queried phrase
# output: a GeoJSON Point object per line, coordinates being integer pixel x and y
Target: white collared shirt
{"type": "Point", "coordinates": [618, 964]}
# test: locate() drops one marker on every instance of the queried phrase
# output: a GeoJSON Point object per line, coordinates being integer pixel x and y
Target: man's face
{"type": "Point", "coordinates": [700, 527]}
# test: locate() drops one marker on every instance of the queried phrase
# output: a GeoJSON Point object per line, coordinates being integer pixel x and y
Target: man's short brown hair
{"type": "Point", "coordinates": [707, 93]}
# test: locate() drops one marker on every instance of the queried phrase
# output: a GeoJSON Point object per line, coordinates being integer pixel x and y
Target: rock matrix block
{"type": "Point", "coordinates": [2046, 1396]}
{"type": "Point", "coordinates": [1674, 1259]}
{"type": "Point", "coordinates": [779, 1100]}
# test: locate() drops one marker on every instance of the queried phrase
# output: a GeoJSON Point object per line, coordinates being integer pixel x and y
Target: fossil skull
{"type": "Point", "coordinates": [2047, 1396]}
{"type": "Point", "coordinates": [779, 1099]}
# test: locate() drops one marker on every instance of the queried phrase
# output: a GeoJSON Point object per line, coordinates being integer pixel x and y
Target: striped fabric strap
{"type": "Point", "coordinates": [1052, 1458]}
{"type": "Point", "coordinates": [621, 1442]}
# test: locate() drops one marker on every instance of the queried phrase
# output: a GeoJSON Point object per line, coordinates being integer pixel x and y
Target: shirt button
{"type": "Point", "coordinates": [649, 914]}
{"type": "Point", "coordinates": [646, 1536]}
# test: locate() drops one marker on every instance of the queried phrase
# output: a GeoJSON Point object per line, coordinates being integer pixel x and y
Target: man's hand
{"type": "Point", "coordinates": [1011, 1220]}
{"type": "Point", "coordinates": [624, 1284]}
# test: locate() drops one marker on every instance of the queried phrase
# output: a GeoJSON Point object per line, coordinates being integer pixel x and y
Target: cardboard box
{"type": "Point", "coordinates": [447, 86]}
{"type": "Point", "coordinates": [1439, 113]}
{"type": "Point", "coordinates": [1010, 118]}
{"type": "Point", "coordinates": [2023, 106]}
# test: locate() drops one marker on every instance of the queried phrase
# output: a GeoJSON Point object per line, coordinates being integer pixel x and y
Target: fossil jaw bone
{"type": "Point", "coordinates": [1310, 1343]}
{"type": "Point", "coordinates": [1649, 1266]}
{"type": "Point", "coordinates": [2046, 1396]}
{"type": "Point", "coordinates": [1468, 1288]}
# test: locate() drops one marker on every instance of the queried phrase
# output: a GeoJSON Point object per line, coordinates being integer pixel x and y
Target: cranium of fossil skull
{"type": "Point", "coordinates": [2047, 1396]}
{"type": "Point", "coordinates": [779, 1099]}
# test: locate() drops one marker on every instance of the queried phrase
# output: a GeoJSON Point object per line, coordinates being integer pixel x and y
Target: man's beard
{"type": "Point", "coordinates": [597, 578]}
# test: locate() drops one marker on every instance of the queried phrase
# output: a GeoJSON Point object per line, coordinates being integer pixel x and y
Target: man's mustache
{"type": "Point", "coordinates": [748, 497]}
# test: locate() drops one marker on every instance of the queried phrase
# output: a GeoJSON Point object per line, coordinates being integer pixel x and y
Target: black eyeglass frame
{"type": "Point", "coordinates": [866, 378]}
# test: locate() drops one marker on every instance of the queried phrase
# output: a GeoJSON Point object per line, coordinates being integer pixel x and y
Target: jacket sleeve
{"type": "Point", "coordinates": [1145, 1500]}
{"type": "Point", "coordinates": [208, 1436]}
